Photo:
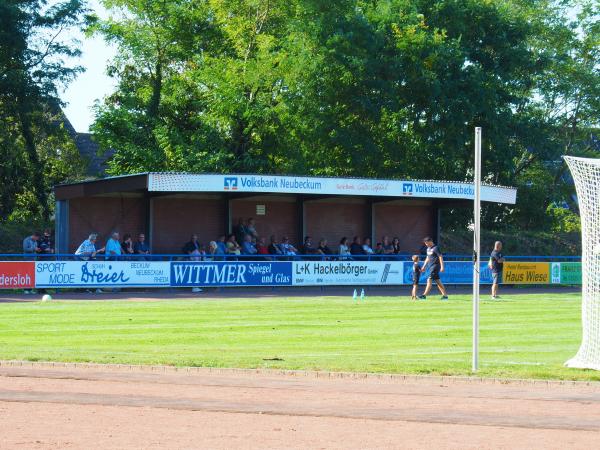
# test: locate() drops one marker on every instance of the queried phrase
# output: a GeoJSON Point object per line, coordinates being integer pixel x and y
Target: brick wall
{"type": "Point", "coordinates": [410, 223]}
{"type": "Point", "coordinates": [334, 218]}
{"type": "Point", "coordinates": [103, 215]}
{"type": "Point", "coordinates": [177, 218]}
{"type": "Point", "coordinates": [281, 215]}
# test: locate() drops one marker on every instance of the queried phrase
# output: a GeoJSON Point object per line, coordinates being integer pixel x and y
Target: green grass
{"type": "Point", "coordinates": [524, 336]}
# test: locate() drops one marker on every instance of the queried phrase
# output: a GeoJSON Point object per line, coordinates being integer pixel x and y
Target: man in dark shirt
{"type": "Point", "coordinates": [45, 243]}
{"type": "Point", "coordinates": [435, 261]}
{"type": "Point", "coordinates": [356, 248]}
{"type": "Point", "coordinates": [141, 247]}
{"type": "Point", "coordinates": [496, 265]}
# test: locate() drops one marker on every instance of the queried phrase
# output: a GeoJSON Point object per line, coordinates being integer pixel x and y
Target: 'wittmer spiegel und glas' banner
{"type": "Point", "coordinates": [231, 273]}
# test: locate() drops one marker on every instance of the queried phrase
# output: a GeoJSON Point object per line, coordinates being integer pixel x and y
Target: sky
{"type": "Point", "coordinates": [93, 84]}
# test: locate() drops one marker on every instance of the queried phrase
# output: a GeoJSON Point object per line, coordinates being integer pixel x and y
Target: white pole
{"type": "Point", "coordinates": [476, 247]}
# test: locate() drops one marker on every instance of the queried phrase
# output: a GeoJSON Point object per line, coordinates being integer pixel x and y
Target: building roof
{"type": "Point", "coordinates": [161, 182]}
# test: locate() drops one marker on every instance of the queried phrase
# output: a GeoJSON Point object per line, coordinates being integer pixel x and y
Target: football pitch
{"type": "Point", "coordinates": [522, 336]}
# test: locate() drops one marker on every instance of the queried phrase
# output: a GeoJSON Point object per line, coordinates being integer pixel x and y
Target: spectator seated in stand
{"type": "Point", "coordinates": [127, 245]}
{"type": "Point", "coordinates": [221, 246]}
{"type": "Point", "coordinates": [211, 253]}
{"type": "Point", "coordinates": [87, 249]}
{"type": "Point", "coordinates": [141, 247]}
{"type": "Point", "coordinates": [233, 248]}
{"type": "Point", "coordinates": [324, 250]}
{"type": "Point", "coordinates": [308, 248]}
{"type": "Point", "coordinates": [30, 244]}
{"type": "Point", "coordinates": [248, 248]}
{"type": "Point", "coordinates": [46, 243]}
{"type": "Point", "coordinates": [366, 247]}
{"type": "Point", "coordinates": [262, 249]}
{"type": "Point", "coordinates": [378, 252]}
{"type": "Point", "coordinates": [388, 248]}
{"type": "Point", "coordinates": [343, 249]}
{"type": "Point", "coordinates": [113, 250]}
{"type": "Point", "coordinates": [396, 245]}
{"type": "Point", "coordinates": [193, 249]}
{"type": "Point", "coordinates": [274, 248]}
{"type": "Point", "coordinates": [286, 248]}
{"type": "Point", "coordinates": [356, 248]}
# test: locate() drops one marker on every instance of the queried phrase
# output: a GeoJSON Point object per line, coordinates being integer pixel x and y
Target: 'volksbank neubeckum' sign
{"type": "Point", "coordinates": [231, 273]}
{"type": "Point", "coordinates": [173, 182]}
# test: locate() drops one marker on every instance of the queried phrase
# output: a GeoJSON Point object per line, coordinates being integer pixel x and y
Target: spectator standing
{"type": "Point", "coordinates": [248, 248]}
{"type": "Point", "coordinates": [193, 248]}
{"type": "Point", "coordinates": [30, 244]}
{"type": "Point", "coordinates": [496, 265]}
{"type": "Point", "coordinates": [113, 248]}
{"type": "Point", "coordinates": [127, 245]}
{"type": "Point", "coordinates": [274, 248]}
{"type": "Point", "coordinates": [46, 243]}
{"type": "Point", "coordinates": [141, 247]}
{"type": "Point", "coordinates": [343, 249]}
{"type": "Point", "coordinates": [435, 261]}
{"type": "Point", "coordinates": [356, 248]}
{"type": "Point", "coordinates": [87, 249]}
{"type": "Point", "coordinates": [251, 228]}
{"type": "Point", "coordinates": [366, 247]}
{"type": "Point", "coordinates": [239, 230]}
{"type": "Point", "coordinates": [30, 247]}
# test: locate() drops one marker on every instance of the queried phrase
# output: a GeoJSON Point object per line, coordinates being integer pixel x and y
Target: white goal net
{"type": "Point", "coordinates": [586, 173]}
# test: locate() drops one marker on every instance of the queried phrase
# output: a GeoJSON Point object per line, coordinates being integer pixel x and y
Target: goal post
{"type": "Point", "coordinates": [586, 174]}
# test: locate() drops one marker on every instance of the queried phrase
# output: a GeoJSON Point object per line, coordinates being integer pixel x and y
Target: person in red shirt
{"type": "Point", "coordinates": [262, 248]}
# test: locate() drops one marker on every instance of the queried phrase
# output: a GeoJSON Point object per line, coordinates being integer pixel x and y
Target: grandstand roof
{"type": "Point", "coordinates": [284, 184]}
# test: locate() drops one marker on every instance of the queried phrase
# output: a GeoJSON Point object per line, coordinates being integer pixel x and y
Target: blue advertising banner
{"type": "Point", "coordinates": [456, 272]}
{"type": "Point", "coordinates": [71, 274]}
{"type": "Point", "coordinates": [231, 273]}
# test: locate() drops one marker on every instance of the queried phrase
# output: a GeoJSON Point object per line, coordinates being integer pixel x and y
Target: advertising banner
{"type": "Point", "coordinates": [231, 273]}
{"type": "Point", "coordinates": [455, 272]}
{"type": "Point", "coordinates": [174, 182]}
{"type": "Point", "coordinates": [526, 273]}
{"type": "Point", "coordinates": [314, 273]}
{"type": "Point", "coordinates": [117, 274]}
{"type": "Point", "coordinates": [17, 275]}
{"type": "Point", "coordinates": [570, 273]}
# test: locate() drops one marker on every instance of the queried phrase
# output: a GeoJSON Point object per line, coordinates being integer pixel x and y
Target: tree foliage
{"type": "Point", "coordinates": [384, 88]}
{"type": "Point", "coordinates": [36, 151]}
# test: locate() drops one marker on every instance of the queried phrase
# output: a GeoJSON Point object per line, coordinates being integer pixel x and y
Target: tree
{"type": "Point", "coordinates": [385, 88]}
{"type": "Point", "coordinates": [32, 68]}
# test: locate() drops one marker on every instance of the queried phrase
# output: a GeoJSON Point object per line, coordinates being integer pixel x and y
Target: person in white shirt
{"type": "Point", "coordinates": [343, 250]}
{"type": "Point", "coordinates": [367, 246]}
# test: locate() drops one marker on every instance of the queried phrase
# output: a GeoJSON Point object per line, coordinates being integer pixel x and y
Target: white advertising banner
{"type": "Point", "coordinates": [315, 273]}
{"type": "Point", "coordinates": [72, 274]}
{"type": "Point", "coordinates": [174, 182]}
